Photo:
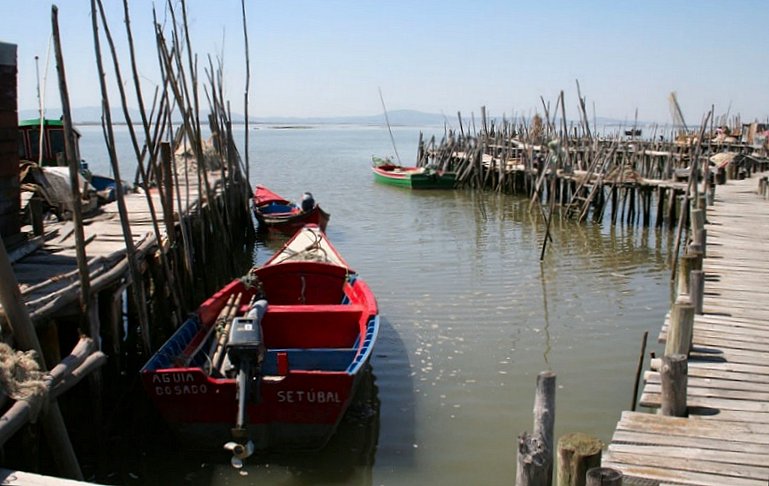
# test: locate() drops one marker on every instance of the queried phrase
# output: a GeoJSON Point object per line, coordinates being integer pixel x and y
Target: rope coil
{"type": "Point", "coordinates": [21, 378]}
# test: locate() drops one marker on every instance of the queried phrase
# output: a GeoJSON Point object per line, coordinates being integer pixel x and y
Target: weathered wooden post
{"type": "Point", "coordinates": [695, 250]}
{"type": "Point", "coordinates": [702, 203]}
{"type": "Point", "coordinates": [673, 376]}
{"type": "Point", "coordinates": [604, 476]}
{"type": "Point", "coordinates": [697, 224]}
{"type": "Point", "coordinates": [680, 329]}
{"type": "Point", "coordinates": [700, 239]}
{"type": "Point", "coordinates": [697, 290]}
{"type": "Point", "coordinates": [535, 451]}
{"type": "Point", "coordinates": [577, 453]}
{"type": "Point", "coordinates": [685, 267]}
{"type": "Point", "coordinates": [35, 206]}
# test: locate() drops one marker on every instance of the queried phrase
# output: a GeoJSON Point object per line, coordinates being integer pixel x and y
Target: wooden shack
{"type": "Point", "coordinates": [9, 155]}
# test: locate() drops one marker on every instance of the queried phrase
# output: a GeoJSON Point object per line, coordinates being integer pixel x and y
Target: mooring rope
{"type": "Point", "coordinates": [21, 378]}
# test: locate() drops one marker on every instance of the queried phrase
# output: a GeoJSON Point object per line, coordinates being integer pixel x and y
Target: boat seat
{"type": "Point", "coordinates": [309, 359]}
{"type": "Point", "coordinates": [311, 326]}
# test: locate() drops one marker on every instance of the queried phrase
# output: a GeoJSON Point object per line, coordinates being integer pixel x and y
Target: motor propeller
{"type": "Point", "coordinates": [240, 452]}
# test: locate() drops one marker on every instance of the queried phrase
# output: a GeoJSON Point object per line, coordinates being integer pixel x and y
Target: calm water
{"type": "Point", "coordinates": [469, 318]}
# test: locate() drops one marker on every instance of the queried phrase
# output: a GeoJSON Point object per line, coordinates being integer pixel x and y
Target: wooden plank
{"type": "Point", "coordinates": [721, 400]}
{"type": "Point", "coordinates": [726, 472]}
{"type": "Point", "coordinates": [631, 437]}
{"type": "Point", "coordinates": [753, 459]}
{"type": "Point", "coordinates": [759, 372]}
{"type": "Point", "coordinates": [707, 429]}
{"type": "Point", "coordinates": [652, 377]}
{"type": "Point", "coordinates": [678, 477]}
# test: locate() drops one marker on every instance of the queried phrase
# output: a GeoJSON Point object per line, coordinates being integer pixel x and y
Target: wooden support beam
{"type": "Point", "coordinates": [674, 379]}
{"type": "Point", "coordinates": [604, 476]}
{"type": "Point", "coordinates": [697, 290]}
{"type": "Point", "coordinates": [680, 330]}
{"type": "Point", "coordinates": [535, 451]}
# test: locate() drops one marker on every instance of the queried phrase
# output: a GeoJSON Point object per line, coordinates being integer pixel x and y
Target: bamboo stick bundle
{"type": "Point", "coordinates": [217, 360]}
{"type": "Point", "coordinates": [247, 84]}
{"type": "Point", "coordinates": [167, 211]}
{"type": "Point", "coordinates": [185, 358]}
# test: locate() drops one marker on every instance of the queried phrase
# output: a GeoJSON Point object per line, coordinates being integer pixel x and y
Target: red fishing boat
{"type": "Point", "coordinates": [279, 214]}
{"type": "Point", "coordinates": [272, 360]}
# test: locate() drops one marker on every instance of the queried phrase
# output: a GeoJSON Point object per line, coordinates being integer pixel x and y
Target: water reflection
{"type": "Point", "coordinates": [548, 346]}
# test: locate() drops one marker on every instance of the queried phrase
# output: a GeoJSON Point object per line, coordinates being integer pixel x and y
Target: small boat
{"type": "Point", "coordinates": [387, 172]}
{"type": "Point", "coordinates": [281, 215]}
{"type": "Point", "coordinates": [273, 358]}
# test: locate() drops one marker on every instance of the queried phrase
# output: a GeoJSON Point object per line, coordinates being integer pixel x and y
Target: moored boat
{"type": "Point", "coordinates": [386, 172]}
{"type": "Point", "coordinates": [274, 212]}
{"type": "Point", "coordinates": [273, 358]}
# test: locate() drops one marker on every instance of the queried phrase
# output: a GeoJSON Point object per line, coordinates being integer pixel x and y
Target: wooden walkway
{"type": "Point", "coordinates": [46, 267]}
{"type": "Point", "coordinates": [725, 439]}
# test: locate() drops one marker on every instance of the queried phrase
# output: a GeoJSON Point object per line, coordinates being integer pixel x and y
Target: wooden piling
{"type": "Point", "coordinates": [532, 460]}
{"type": "Point", "coordinates": [697, 290]}
{"type": "Point", "coordinates": [687, 263]}
{"type": "Point", "coordinates": [577, 453]}
{"type": "Point", "coordinates": [639, 369]}
{"type": "Point", "coordinates": [659, 219]}
{"type": "Point", "coordinates": [36, 215]}
{"type": "Point", "coordinates": [679, 336]}
{"type": "Point", "coordinates": [673, 376]}
{"type": "Point", "coordinates": [535, 451]}
{"type": "Point", "coordinates": [604, 476]}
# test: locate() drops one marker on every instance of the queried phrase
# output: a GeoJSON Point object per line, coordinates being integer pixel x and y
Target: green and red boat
{"type": "Point", "coordinates": [386, 172]}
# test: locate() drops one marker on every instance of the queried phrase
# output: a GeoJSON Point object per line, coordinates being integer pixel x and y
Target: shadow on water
{"type": "Point", "coordinates": [347, 458]}
{"type": "Point", "coordinates": [151, 454]}
{"type": "Point", "coordinates": [394, 372]}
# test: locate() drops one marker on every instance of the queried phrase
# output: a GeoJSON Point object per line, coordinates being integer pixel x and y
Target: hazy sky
{"type": "Point", "coordinates": [329, 57]}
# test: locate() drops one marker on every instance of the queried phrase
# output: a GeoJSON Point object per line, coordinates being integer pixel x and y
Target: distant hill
{"type": "Point", "coordinates": [92, 115]}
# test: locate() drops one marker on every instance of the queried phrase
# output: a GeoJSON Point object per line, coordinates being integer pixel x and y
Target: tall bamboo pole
{"type": "Point", "coordinates": [248, 81]}
{"type": "Point", "coordinates": [137, 285]}
{"type": "Point", "coordinates": [74, 174]}
{"type": "Point", "coordinates": [167, 209]}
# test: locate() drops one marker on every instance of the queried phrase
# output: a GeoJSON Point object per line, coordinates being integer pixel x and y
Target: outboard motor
{"type": "Point", "coordinates": [245, 350]}
{"type": "Point", "coordinates": [308, 202]}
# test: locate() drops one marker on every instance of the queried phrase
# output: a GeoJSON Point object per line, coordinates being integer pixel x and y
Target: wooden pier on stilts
{"type": "Point", "coordinates": [88, 292]}
{"type": "Point", "coordinates": [722, 435]}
